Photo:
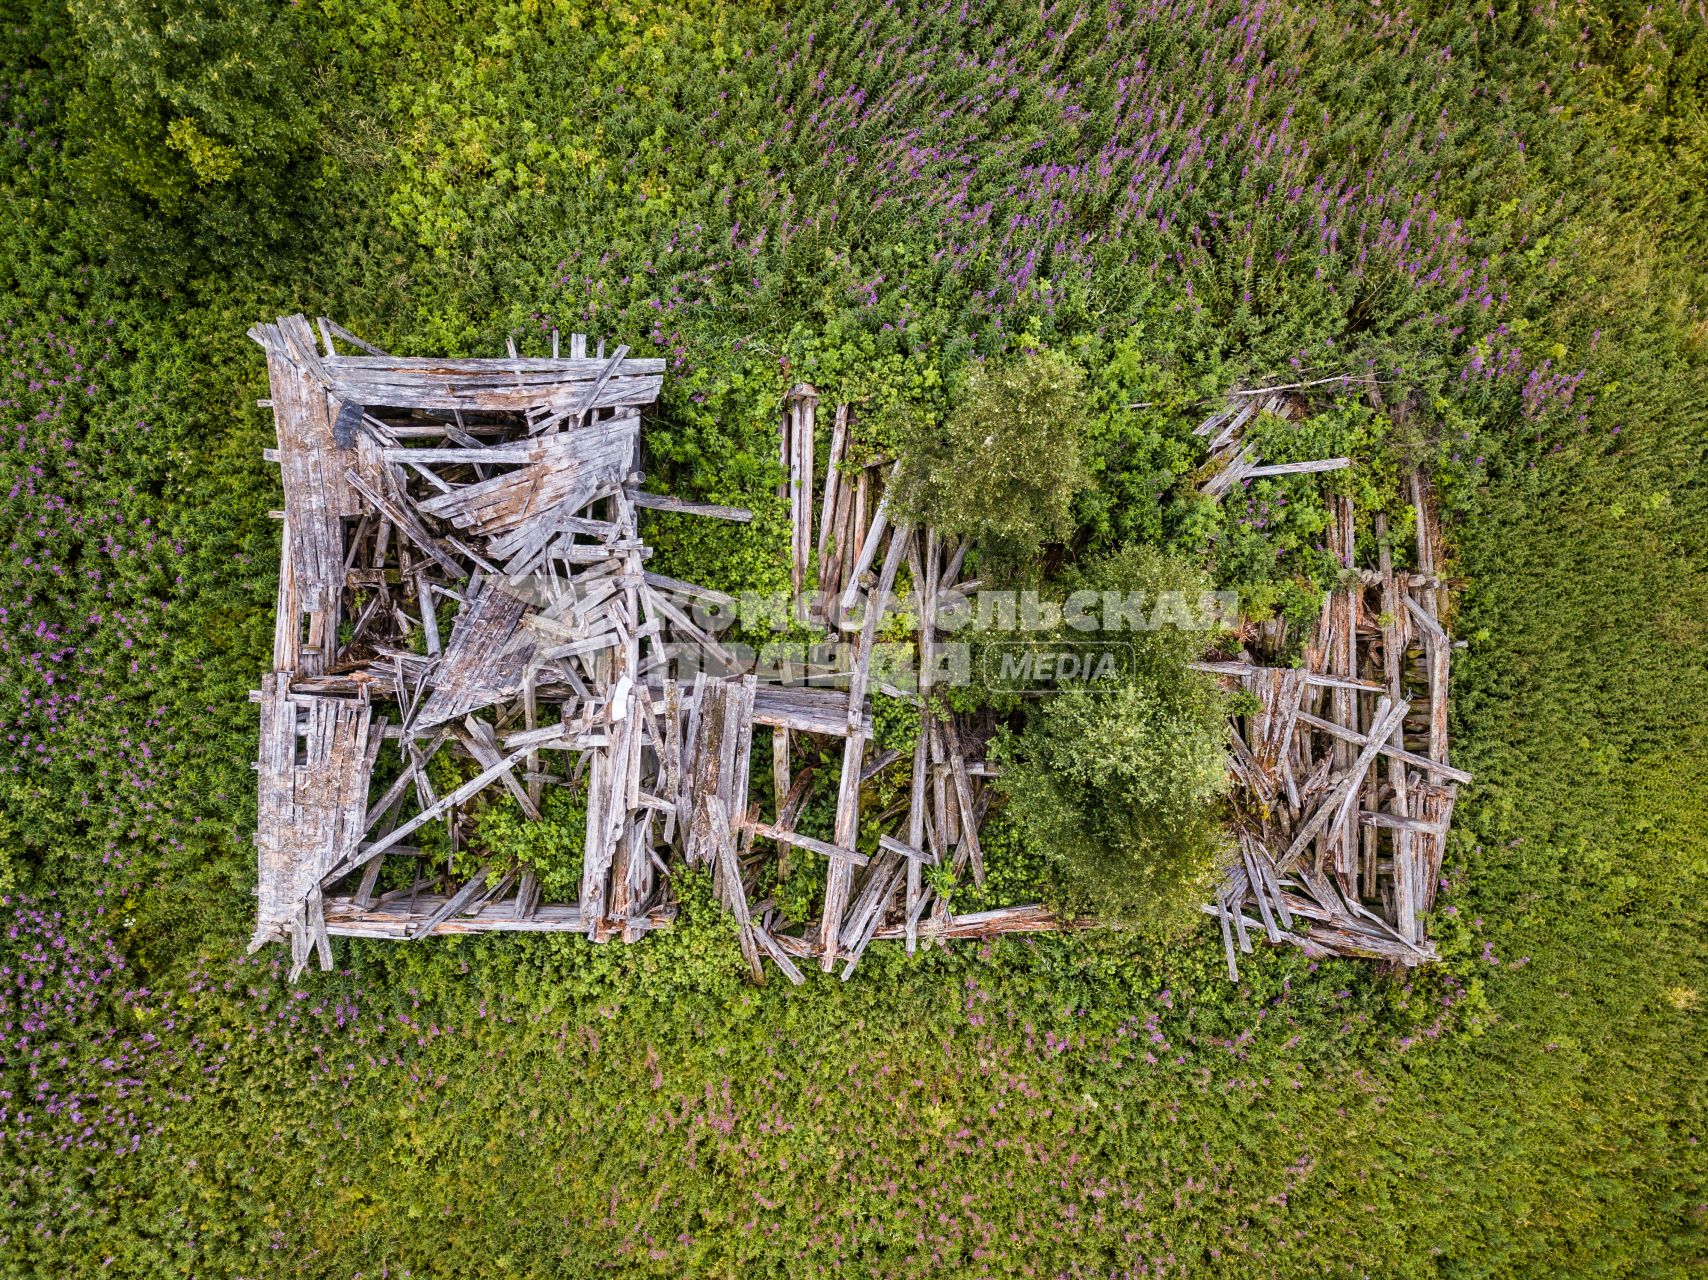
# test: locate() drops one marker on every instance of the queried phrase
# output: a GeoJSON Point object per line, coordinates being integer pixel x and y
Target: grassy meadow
{"type": "Point", "coordinates": [1492, 219]}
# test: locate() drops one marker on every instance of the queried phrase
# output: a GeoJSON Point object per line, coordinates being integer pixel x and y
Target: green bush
{"type": "Point", "coordinates": [1116, 783]}
{"type": "Point", "coordinates": [552, 847]}
{"type": "Point", "coordinates": [1005, 467]}
{"type": "Point", "coordinates": [186, 124]}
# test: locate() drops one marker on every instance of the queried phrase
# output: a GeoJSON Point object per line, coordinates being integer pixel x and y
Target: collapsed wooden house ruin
{"type": "Point", "coordinates": [1341, 789]}
{"type": "Point", "coordinates": [510, 489]}
{"type": "Point", "coordinates": [465, 610]}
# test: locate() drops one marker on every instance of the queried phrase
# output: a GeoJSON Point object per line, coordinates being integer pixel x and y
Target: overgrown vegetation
{"type": "Point", "coordinates": [1005, 467]}
{"type": "Point", "coordinates": [1114, 784]}
{"type": "Point", "coordinates": [1494, 218]}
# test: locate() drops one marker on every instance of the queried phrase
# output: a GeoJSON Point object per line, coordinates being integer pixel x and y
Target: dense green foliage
{"type": "Point", "coordinates": [1114, 783]}
{"type": "Point", "coordinates": [1004, 468]}
{"type": "Point", "coordinates": [1494, 217]}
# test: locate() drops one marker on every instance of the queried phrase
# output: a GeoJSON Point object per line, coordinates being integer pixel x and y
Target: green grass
{"type": "Point", "coordinates": [436, 178]}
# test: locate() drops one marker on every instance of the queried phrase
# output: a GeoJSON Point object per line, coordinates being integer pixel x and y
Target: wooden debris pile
{"type": "Point", "coordinates": [466, 618]}
{"type": "Point", "coordinates": [881, 892]}
{"type": "Point", "coordinates": [1233, 459]}
{"type": "Point", "coordinates": [465, 608]}
{"type": "Point", "coordinates": [1342, 789]}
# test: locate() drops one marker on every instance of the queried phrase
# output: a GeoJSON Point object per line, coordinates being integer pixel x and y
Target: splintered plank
{"type": "Point", "coordinates": [837, 854]}
{"type": "Point", "coordinates": [868, 914]}
{"type": "Point", "coordinates": [477, 739]}
{"type": "Point", "coordinates": [467, 899]}
{"type": "Point", "coordinates": [1222, 916]}
{"type": "Point", "coordinates": [970, 847]}
{"type": "Point", "coordinates": [396, 510]}
{"type": "Point", "coordinates": [1295, 468]}
{"type": "Point", "coordinates": [680, 620]}
{"type": "Point", "coordinates": [588, 399]}
{"type": "Point", "coordinates": [567, 471]}
{"type": "Point", "coordinates": [329, 330]}
{"type": "Point", "coordinates": [869, 550]}
{"type": "Point", "coordinates": [779, 957]}
{"type": "Point", "coordinates": [487, 659]}
{"type": "Point", "coordinates": [989, 924]}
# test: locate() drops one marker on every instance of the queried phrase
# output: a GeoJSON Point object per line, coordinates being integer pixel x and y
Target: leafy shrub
{"type": "Point", "coordinates": [186, 122]}
{"type": "Point", "coordinates": [552, 847]}
{"type": "Point", "coordinates": [1116, 782]}
{"type": "Point", "coordinates": [1005, 467]}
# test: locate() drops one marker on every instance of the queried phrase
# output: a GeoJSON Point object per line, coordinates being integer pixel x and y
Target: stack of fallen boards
{"type": "Point", "coordinates": [1341, 788]}
{"type": "Point", "coordinates": [510, 488]}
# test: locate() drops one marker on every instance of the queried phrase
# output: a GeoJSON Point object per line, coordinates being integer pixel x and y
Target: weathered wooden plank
{"type": "Point", "coordinates": [835, 853]}
{"type": "Point", "coordinates": [735, 896]}
{"type": "Point", "coordinates": [1388, 749]}
{"type": "Point", "coordinates": [969, 818]}
{"type": "Point", "coordinates": [916, 830]}
{"type": "Point", "coordinates": [779, 957]}
{"type": "Point", "coordinates": [989, 924]}
{"type": "Point", "coordinates": [911, 851]}
{"type": "Point", "coordinates": [681, 506]}
{"type": "Point", "coordinates": [1400, 822]}
{"type": "Point", "coordinates": [557, 398]}
{"type": "Point", "coordinates": [799, 418]}
{"type": "Point", "coordinates": [1314, 678]}
{"type": "Point", "coordinates": [477, 739]}
{"type": "Point", "coordinates": [832, 478]}
{"type": "Point", "coordinates": [1295, 468]}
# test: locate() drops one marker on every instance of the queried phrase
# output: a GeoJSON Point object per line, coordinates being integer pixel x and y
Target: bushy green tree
{"type": "Point", "coordinates": [1005, 467]}
{"type": "Point", "coordinates": [1117, 782]}
{"type": "Point", "coordinates": [187, 121]}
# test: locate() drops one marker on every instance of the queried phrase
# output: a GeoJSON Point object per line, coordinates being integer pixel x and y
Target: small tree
{"type": "Point", "coordinates": [1006, 466]}
{"type": "Point", "coordinates": [188, 123]}
{"type": "Point", "coordinates": [1116, 784]}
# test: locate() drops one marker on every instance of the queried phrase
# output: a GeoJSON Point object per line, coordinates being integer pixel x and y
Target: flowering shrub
{"type": "Point", "coordinates": [84, 1063]}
